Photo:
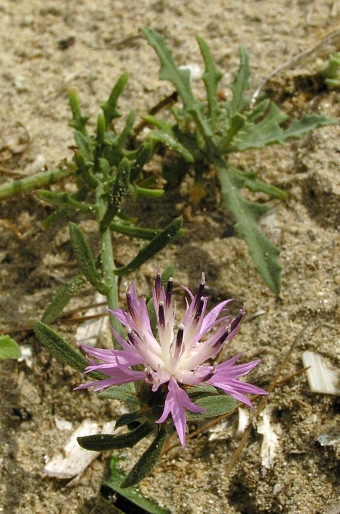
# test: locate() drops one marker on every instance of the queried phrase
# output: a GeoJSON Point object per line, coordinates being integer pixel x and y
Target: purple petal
{"type": "Point", "coordinates": [176, 401]}
{"type": "Point", "coordinates": [119, 378]}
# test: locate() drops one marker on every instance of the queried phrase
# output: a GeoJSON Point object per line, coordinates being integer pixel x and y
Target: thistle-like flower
{"type": "Point", "coordinates": [175, 358]}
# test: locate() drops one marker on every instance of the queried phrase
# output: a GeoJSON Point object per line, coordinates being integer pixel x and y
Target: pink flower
{"type": "Point", "coordinates": [175, 358]}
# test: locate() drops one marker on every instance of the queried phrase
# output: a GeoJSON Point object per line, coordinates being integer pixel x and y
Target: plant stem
{"type": "Point", "coordinates": [35, 181]}
{"type": "Point", "coordinates": [108, 264]}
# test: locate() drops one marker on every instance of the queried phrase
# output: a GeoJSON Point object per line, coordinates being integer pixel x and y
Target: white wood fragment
{"type": "Point", "coordinates": [63, 424]}
{"type": "Point", "coordinates": [243, 421]}
{"type": "Point", "coordinates": [329, 439]}
{"type": "Point", "coordinates": [219, 432]}
{"type": "Point", "coordinates": [26, 355]}
{"type": "Point", "coordinates": [91, 331]}
{"type": "Point", "coordinates": [270, 440]}
{"type": "Point", "coordinates": [320, 377]}
{"type": "Point", "coordinates": [36, 166]}
{"type": "Point", "coordinates": [75, 459]}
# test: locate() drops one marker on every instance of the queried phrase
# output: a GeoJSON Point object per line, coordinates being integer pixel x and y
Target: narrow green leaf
{"type": "Point", "coordinates": [84, 257]}
{"type": "Point", "coordinates": [131, 231]}
{"type": "Point", "coordinates": [9, 349]}
{"type": "Point", "coordinates": [156, 245]}
{"type": "Point", "coordinates": [64, 200]}
{"type": "Point", "coordinates": [249, 180]}
{"type": "Point", "coordinates": [147, 460]}
{"type": "Point", "coordinates": [105, 442]}
{"type": "Point", "coordinates": [79, 119]}
{"type": "Point", "coordinates": [35, 181]}
{"type": "Point", "coordinates": [144, 155]}
{"type": "Point", "coordinates": [216, 405]}
{"type": "Point", "coordinates": [127, 130]}
{"type": "Point", "coordinates": [85, 170]}
{"type": "Point", "coordinates": [211, 78]}
{"type": "Point", "coordinates": [117, 194]}
{"type": "Point", "coordinates": [132, 495]}
{"type": "Point", "coordinates": [110, 106]}
{"type": "Point", "coordinates": [169, 140]}
{"type": "Point", "coordinates": [62, 298]}
{"type": "Point", "coordinates": [62, 350]}
{"type": "Point", "coordinates": [146, 192]}
{"type": "Point", "coordinates": [239, 85]}
{"type": "Point", "coordinates": [127, 418]}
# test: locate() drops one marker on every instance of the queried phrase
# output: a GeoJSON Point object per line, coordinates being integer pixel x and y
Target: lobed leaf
{"type": "Point", "coordinates": [262, 251]}
{"type": "Point", "coordinates": [180, 79]}
{"type": "Point", "coordinates": [239, 85]}
{"type": "Point", "coordinates": [211, 78]}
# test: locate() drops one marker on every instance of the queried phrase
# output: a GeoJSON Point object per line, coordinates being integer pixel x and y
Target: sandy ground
{"type": "Point", "coordinates": [36, 72]}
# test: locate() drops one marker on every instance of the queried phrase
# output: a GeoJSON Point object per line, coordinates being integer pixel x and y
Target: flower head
{"type": "Point", "coordinates": [176, 357]}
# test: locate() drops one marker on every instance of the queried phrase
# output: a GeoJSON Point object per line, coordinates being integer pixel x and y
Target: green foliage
{"type": "Point", "coordinates": [104, 442]}
{"type": "Point", "coordinates": [330, 70]}
{"type": "Point", "coordinates": [215, 405]}
{"type": "Point", "coordinates": [207, 133]}
{"type": "Point", "coordinates": [9, 349]}
{"type": "Point", "coordinates": [107, 170]}
{"type": "Point", "coordinates": [132, 495]}
{"type": "Point", "coordinates": [61, 349]}
{"type": "Point", "coordinates": [147, 461]}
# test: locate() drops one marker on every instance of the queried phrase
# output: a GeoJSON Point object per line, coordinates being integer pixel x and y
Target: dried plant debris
{"type": "Point", "coordinates": [321, 378]}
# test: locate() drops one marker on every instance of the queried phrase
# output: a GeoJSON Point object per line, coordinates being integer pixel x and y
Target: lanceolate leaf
{"type": "Point", "coordinates": [130, 495]}
{"type": "Point", "coordinates": [156, 245]}
{"type": "Point", "coordinates": [62, 298]}
{"type": "Point", "coordinates": [62, 349]}
{"type": "Point", "coordinates": [147, 460]}
{"type": "Point", "coordinates": [117, 194]}
{"type": "Point", "coordinates": [84, 257]}
{"type": "Point", "coordinates": [104, 442]}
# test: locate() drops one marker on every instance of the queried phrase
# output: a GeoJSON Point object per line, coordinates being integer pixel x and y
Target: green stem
{"type": "Point", "coordinates": [108, 264]}
{"type": "Point", "coordinates": [35, 181]}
